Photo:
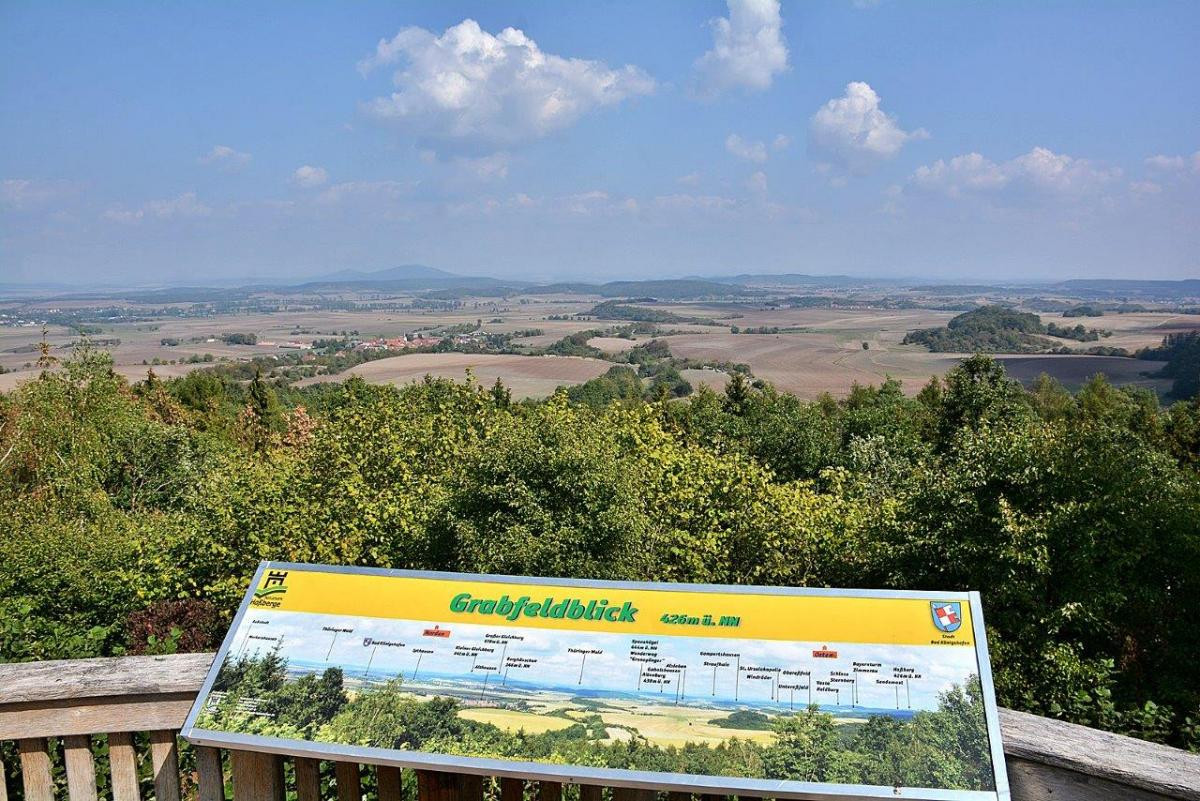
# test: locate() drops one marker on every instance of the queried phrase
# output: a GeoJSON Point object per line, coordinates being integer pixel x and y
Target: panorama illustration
{"type": "Point", "coordinates": [910, 716]}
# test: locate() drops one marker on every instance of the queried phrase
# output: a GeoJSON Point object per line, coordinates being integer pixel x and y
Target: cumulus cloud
{"type": "Point", "coordinates": [1040, 170]}
{"type": "Point", "coordinates": [748, 49]}
{"type": "Point", "coordinates": [27, 193]}
{"type": "Point", "coordinates": [853, 132]}
{"type": "Point", "coordinates": [757, 182]}
{"type": "Point", "coordinates": [185, 206]}
{"type": "Point", "coordinates": [469, 90]}
{"type": "Point", "coordinates": [309, 176]}
{"type": "Point", "coordinates": [484, 168]}
{"type": "Point", "coordinates": [691, 179]}
{"type": "Point", "coordinates": [687, 202]}
{"type": "Point", "coordinates": [743, 149]}
{"type": "Point", "coordinates": [372, 191]}
{"type": "Point", "coordinates": [226, 158]}
{"type": "Point", "coordinates": [969, 172]}
{"type": "Point", "coordinates": [780, 142]}
{"type": "Point", "coordinates": [1168, 164]}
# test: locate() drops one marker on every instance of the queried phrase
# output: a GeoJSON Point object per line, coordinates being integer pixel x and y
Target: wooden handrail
{"type": "Point", "coordinates": [1047, 759]}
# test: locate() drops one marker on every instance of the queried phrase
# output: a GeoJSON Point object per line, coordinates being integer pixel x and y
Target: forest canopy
{"type": "Point", "coordinates": [136, 513]}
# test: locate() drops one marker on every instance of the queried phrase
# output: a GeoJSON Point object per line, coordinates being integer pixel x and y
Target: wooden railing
{"type": "Point", "coordinates": [85, 702]}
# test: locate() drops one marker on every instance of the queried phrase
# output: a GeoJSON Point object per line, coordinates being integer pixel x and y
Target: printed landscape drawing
{"type": "Point", "coordinates": [858, 713]}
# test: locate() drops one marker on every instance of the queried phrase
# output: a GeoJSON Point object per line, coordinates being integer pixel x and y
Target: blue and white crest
{"type": "Point", "coordinates": [947, 615]}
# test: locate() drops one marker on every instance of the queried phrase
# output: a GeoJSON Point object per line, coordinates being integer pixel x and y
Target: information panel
{"type": "Point", "coordinates": [791, 693]}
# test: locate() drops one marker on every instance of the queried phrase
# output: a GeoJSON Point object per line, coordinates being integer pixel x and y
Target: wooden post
{"type": "Point", "coordinates": [211, 778]}
{"type": "Point", "coordinates": [591, 792]}
{"type": "Point", "coordinates": [308, 779]}
{"type": "Point", "coordinates": [122, 762]}
{"type": "Point", "coordinates": [349, 781]}
{"type": "Point", "coordinates": [512, 790]}
{"type": "Point", "coordinates": [257, 776]}
{"type": "Point", "coordinates": [3, 781]}
{"type": "Point", "coordinates": [549, 791]}
{"type": "Point", "coordinates": [81, 771]}
{"type": "Point", "coordinates": [470, 787]}
{"type": "Point", "coordinates": [434, 785]}
{"type": "Point", "coordinates": [164, 755]}
{"type": "Point", "coordinates": [35, 769]}
{"type": "Point", "coordinates": [391, 786]}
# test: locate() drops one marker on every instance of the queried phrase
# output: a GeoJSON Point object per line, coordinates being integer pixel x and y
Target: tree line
{"type": "Point", "coordinates": [134, 514]}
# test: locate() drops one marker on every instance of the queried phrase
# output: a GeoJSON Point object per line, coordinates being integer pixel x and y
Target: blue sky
{"type": "Point", "coordinates": [189, 141]}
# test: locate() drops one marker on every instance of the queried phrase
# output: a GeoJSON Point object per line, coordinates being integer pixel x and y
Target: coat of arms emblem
{"type": "Point", "coordinates": [947, 615]}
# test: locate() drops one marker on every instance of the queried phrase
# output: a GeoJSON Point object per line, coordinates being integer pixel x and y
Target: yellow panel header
{"type": "Point", "coordinates": [563, 605]}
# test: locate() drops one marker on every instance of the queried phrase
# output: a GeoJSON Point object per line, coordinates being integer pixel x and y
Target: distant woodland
{"type": "Point", "coordinates": [134, 514]}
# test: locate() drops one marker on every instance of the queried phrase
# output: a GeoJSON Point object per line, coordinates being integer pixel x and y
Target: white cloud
{"type": "Point", "coordinates": [686, 202]}
{"type": "Point", "coordinates": [387, 191]}
{"type": "Point", "coordinates": [691, 179]}
{"type": "Point", "coordinates": [1175, 163]}
{"type": "Point", "coordinates": [597, 202]}
{"type": "Point", "coordinates": [780, 142]}
{"type": "Point", "coordinates": [226, 158]}
{"type": "Point", "coordinates": [1055, 172]}
{"type": "Point", "coordinates": [27, 193]}
{"type": "Point", "coordinates": [757, 182]}
{"type": "Point", "coordinates": [969, 172]}
{"type": "Point", "coordinates": [855, 133]}
{"type": "Point", "coordinates": [309, 176]}
{"type": "Point", "coordinates": [1040, 170]}
{"type": "Point", "coordinates": [748, 49]}
{"type": "Point", "coordinates": [1144, 188]}
{"type": "Point", "coordinates": [185, 206]}
{"type": "Point", "coordinates": [471, 90]}
{"type": "Point", "coordinates": [743, 149]}
{"type": "Point", "coordinates": [485, 168]}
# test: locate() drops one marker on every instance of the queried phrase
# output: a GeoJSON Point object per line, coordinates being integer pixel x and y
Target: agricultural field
{"type": "Point", "coordinates": [815, 351]}
{"type": "Point", "coordinates": [525, 376]}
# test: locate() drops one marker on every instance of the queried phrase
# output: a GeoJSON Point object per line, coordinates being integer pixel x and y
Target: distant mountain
{"type": "Point", "coordinates": [795, 279]}
{"type": "Point", "coordinates": [666, 289]}
{"type": "Point", "coordinates": [406, 278]}
{"type": "Point", "coordinates": [403, 272]}
{"type": "Point", "coordinates": [1117, 287]}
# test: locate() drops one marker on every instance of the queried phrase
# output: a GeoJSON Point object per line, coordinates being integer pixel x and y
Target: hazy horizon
{"type": "Point", "coordinates": [201, 144]}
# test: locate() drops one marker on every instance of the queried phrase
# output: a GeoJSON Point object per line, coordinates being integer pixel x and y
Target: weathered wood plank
{"type": "Point", "coordinates": [349, 781]}
{"type": "Point", "coordinates": [122, 762]}
{"type": "Point", "coordinates": [81, 770]}
{"type": "Point", "coordinates": [470, 788]}
{"type": "Point", "coordinates": [94, 715]}
{"type": "Point", "coordinates": [256, 776]}
{"type": "Point", "coordinates": [391, 783]}
{"type": "Point", "coordinates": [512, 789]}
{"type": "Point", "coordinates": [35, 769]}
{"type": "Point", "coordinates": [3, 780]}
{"type": "Point", "coordinates": [549, 791]}
{"type": "Point", "coordinates": [89, 678]}
{"type": "Point", "coordinates": [210, 777]}
{"type": "Point", "coordinates": [308, 779]}
{"type": "Point", "coordinates": [679, 797]}
{"type": "Point", "coordinates": [1122, 760]}
{"type": "Point", "coordinates": [435, 785]}
{"type": "Point", "coordinates": [164, 759]}
{"type": "Point", "coordinates": [1031, 781]}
